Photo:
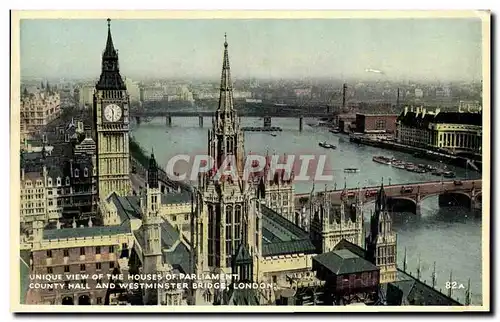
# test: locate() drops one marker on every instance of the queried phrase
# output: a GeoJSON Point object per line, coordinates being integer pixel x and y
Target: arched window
{"type": "Point", "coordinates": [67, 181]}
{"type": "Point", "coordinates": [85, 172]}
{"type": "Point", "coordinates": [229, 214]}
{"type": "Point", "coordinates": [58, 181]}
{"type": "Point", "coordinates": [50, 182]}
{"type": "Point", "coordinates": [237, 215]}
{"type": "Point", "coordinates": [77, 173]}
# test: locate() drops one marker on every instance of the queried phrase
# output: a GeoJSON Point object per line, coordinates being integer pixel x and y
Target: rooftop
{"type": "Point", "coordinates": [343, 261]}
{"type": "Point", "coordinates": [127, 207]}
{"type": "Point", "coordinates": [421, 119]}
{"type": "Point", "coordinates": [280, 236]}
{"type": "Point", "coordinates": [410, 291]}
{"type": "Point", "coordinates": [98, 231]}
{"type": "Point", "coordinates": [176, 198]}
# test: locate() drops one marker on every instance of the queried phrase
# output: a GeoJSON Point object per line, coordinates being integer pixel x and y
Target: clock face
{"type": "Point", "coordinates": [112, 113]}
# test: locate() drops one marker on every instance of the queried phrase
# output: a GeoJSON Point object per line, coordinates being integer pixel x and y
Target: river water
{"type": "Point", "coordinates": [451, 237]}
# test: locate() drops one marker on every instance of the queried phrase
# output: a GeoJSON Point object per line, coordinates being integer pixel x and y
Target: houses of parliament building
{"type": "Point", "coordinates": [248, 230]}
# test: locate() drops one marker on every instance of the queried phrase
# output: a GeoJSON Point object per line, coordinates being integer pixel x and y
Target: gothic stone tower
{"type": "Point", "coordinates": [331, 223]}
{"type": "Point", "coordinates": [381, 241]}
{"type": "Point", "coordinates": [228, 217]}
{"type": "Point", "coordinates": [151, 221]}
{"type": "Point", "coordinates": [111, 121]}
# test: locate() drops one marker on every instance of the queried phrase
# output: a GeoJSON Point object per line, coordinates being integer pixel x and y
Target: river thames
{"type": "Point", "coordinates": [451, 237]}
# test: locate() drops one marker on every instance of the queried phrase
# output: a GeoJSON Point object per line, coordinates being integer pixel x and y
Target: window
{"type": "Point", "coordinates": [124, 246]}
{"type": "Point", "coordinates": [82, 251]}
{"type": "Point", "coordinates": [49, 270]}
{"type": "Point", "coordinates": [97, 266]}
{"type": "Point", "coordinates": [99, 300]}
{"type": "Point", "coordinates": [85, 172]}
{"type": "Point", "coordinates": [50, 181]}
{"type": "Point", "coordinates": [82, 268]}
{"type": "Point", "coordinates": [237, 217]}
{"type": "Point", "coordinates": [174, 218]}
{"type": "Point", "coordinates": [66, 253]}
{"type": "Point", "coordinates": [67, 181]}
{"type": "Point", "coordinates": [58, 181]}
{"type": "Point", "coordinates": [66, 269]}
{"type": "Point", "coordinates": [111, 249]}
{"type": "Point", "coordinates": [111, 264]}
{"type": "Point", "coordinates": [186, 217]}
{"type": "Point", "coordinates": [77, 173]}
{"type": "Point", "coordinates": [49, 253]}
{"type": "Point", "coordinates": [380, 124]}
{"type": "Point", "coordinates": [98, 249]}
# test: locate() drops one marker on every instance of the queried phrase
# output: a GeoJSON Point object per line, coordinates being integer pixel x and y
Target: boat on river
{"type": "Point", "coordinates": [327, 145]}
{"type": "Point", "coordinates": [382, 159]}
{"type": "Point", "coordinates": [351, 170]}
{"type": "Point", "coordinates": [399, 165]}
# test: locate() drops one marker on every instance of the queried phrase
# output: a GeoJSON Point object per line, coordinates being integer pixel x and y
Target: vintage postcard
{"type": "Point", "coordinates": [263, 161]}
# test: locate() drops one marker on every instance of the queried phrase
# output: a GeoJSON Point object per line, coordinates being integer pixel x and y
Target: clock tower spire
{"type": "Point", "coordinates": [110, 71]}
{"type": "Point", "coordinates": [111, 121]}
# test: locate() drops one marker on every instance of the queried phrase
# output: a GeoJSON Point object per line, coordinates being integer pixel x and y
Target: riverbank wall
{"type": "Point", "coordinates": [420, 153]}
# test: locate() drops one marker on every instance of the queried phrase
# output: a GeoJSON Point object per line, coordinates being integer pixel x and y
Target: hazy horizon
{"type": "Point", "coordinates": [426, 49]}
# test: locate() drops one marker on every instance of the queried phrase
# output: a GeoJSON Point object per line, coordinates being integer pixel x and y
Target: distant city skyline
{"type": "Point", "coordinates": [417, 49]}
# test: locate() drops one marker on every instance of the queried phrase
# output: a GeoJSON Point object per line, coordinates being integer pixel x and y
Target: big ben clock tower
{"type": "Point", "coordinates": [111, 119]}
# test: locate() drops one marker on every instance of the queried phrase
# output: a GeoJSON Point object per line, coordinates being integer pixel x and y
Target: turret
{"type": "Point", "coordinates": [152, 172]}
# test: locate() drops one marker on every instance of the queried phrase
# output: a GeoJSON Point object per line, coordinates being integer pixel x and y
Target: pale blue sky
{"type": "Point", "coordinates": [442, 49]}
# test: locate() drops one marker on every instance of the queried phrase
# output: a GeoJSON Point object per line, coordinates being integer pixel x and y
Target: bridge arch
{"type": "Point", "coordinates": [402, 204]}
{"type": "Point", "coordinates": [451, 198]}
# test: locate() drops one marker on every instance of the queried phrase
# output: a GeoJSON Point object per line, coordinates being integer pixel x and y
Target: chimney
{"type": "Point", "coordinates": [406, 110]}
{"type": "Point", "coordinates": [423, 112]}
{"type": "Point", "coordinates": [344, 88]}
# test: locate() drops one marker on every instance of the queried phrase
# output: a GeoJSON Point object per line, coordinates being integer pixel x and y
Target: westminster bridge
{"type": "Point", "coordinates": [408, 196]}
